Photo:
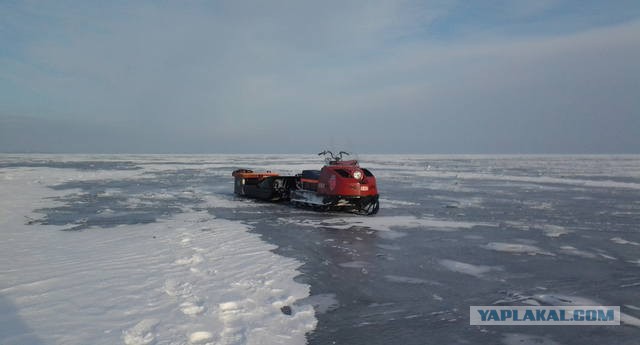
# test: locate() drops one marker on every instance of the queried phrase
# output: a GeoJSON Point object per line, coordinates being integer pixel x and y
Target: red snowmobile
{"type": "Point", "coordinates": [339, 185]}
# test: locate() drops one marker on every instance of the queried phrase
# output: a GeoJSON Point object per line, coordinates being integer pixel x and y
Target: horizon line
{"type": "Point", "coordinates": [315, 153]}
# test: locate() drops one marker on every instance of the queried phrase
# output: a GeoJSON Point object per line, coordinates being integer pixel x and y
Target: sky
{"type": "Point", "coordinates": [494, 76]}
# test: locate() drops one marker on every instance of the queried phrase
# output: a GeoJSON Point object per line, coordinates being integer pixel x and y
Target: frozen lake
{"type": "Point", "coordinates": [156, 249]}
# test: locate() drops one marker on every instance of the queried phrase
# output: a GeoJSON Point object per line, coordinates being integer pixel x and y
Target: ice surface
{"type": "Point", "coordinates": [322, 303]}
{"type": "Point", "coordinates": [526, 339]}
{"type": "Point", "coordinates": [388, 223]}
{"type": "Point", "coordinates": [540, 180]}
{"type": "Point", "coordinates": [135, 249]}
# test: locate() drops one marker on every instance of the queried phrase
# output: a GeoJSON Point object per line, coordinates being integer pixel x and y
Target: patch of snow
{"type": "Point", "coordinates": [142, 333]}
{"type": "Point", "coordinates": [389, 246]}
{"type": "Point", "coordinates": [224, 201]}
{"type": "Point", "coordinates": [577, 252]}
{"type": "Point", "coordinates": [354, 264]}
{"type": "Point", "coordinates": [516, 224]}
{"type": "Point", "coordinates": [160, 282]}
{"type": "Point", "coordinates": [516, 248]}
{"type": "Point", "coordinates": [200, 337]}
{"type": "Point", "coordinates": [477, 271]}
{"type": "Point", "coordinates": [554, 230]}
{"type": "Point", "coordinates": [192, 260]}
{"type": "Point", "coordinates": [387, 223]}
{"type": "Point", "coordinates": [549, 230]}
{"type": "Point", "coordinates": [388, 203]}
{"type": "Point", "coordinates": [192, 308]}
{"type": "Point", "coordinates": [468, 202]}
{"type": "Point", "coordinates": [608, 257]}
{"type": "Point", "coordinates": [539, 205]}
{"type": "Point", "coordinates": [409, 280]}
{"type": "Point", "coordinates": [635, 262]}
{"type": "Point", "coordinates": [620, 240]}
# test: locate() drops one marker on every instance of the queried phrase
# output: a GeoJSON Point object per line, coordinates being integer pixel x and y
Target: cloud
{"type": "Point", "coordinates": [290, 76]}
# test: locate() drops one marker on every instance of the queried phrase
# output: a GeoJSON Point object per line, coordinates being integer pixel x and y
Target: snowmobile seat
{"type": "Point", "coordinates": [309, 179]}
{"type": "Point", "coordinates": [311, 174]}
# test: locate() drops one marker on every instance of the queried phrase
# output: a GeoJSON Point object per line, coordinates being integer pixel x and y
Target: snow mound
{"type": "Point", "coordinates": [141, 333]}
{"type": "Point", "coordinates": [200, 337]}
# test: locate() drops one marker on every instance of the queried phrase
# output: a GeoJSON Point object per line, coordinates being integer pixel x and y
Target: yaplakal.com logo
{"type": "Point", "coordinates": [544, 315]}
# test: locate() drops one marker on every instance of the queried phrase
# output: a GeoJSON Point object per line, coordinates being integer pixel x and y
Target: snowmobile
{"type": "Point", "coordinates": [340, 185]}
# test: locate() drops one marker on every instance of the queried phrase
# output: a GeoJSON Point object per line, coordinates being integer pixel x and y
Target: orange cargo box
{"type": "Point", "coordinates": [249, 174]}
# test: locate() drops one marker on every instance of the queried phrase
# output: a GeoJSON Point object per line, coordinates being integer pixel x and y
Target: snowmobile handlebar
{"type": "Point", "coordinates": [337, 157]}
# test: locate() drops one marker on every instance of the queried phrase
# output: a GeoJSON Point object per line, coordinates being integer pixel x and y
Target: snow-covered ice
{"type": "Point", "coordinates": [165, 282]}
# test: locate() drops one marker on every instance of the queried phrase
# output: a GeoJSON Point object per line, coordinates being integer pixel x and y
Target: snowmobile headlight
{"type": "Point", "coordinates": [357, 175]}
